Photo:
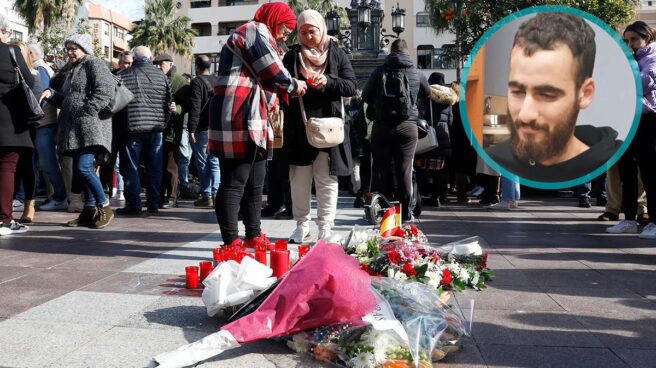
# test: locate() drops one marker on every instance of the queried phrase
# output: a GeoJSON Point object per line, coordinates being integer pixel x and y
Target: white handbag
{"type": "Point", "coordinates": [429, 142]}
{"type": "Point", "coordinates": [322, 132]}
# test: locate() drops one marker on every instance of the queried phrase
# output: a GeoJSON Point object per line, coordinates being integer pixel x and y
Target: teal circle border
{"type": "Point", "coordinates": [540, 184]}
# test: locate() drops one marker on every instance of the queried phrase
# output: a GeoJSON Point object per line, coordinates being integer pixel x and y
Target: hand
{"type": "Point", "coordinates": [301, 88]}
{"type": "Point", "coordinates": [319, 81]}
{"type": "Point", "coordinates": [173, 107]}
{"type": "Point", "coordinates": [45, 95]}
{"type": "Point", "coordinates": [192, 138]}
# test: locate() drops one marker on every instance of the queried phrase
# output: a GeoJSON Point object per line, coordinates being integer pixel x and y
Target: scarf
{"type": "Point", "coordinates": [273, 14]}
{"type": "Point", "coordinates": [313, 60]}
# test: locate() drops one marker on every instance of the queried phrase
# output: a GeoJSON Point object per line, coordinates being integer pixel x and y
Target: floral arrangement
{"type": "Point", "coordinates": [409, 257]}
{"type": "Point", "coordinates": [430, 331]}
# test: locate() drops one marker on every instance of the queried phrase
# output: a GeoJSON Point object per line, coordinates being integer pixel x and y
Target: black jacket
{"type": "Point", "coordinates": [326, 103]}
{"type": "Point", "coordinates": [14, 129]}
{"type": "Point", "coordinates": [200, 89]}
{"type": "Point", "coordinates": [602, 142]}
{"type": "Point", "coordinates": [149, 110]}
{"type": "Point", "coordinates": [419, 87]}
{"type": "Point", "coordinates": [441, 119]}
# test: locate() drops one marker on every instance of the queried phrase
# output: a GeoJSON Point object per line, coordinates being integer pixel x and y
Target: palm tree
{"type": "Point", "coordinates": [42, 14]}
{"type": "Point", "coordinates": [162, 31]}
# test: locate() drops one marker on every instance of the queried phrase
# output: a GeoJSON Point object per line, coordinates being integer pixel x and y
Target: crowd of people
{"type": "Point", "coordinates": [219, 126]}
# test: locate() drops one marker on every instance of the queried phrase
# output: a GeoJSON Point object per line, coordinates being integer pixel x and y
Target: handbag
{"type": "Point", "coordinates": [31, 107]}
{"type": "Point", "coordinates": [277, 116]}
{"type": "Point", "coordinates": [122, 96]}
{"type": "Point", "coordinates": [429, 142]}
{"type": "Point", "coordinates": [322, 132]}
{"type": "Point", "coordinates": [422, 128]}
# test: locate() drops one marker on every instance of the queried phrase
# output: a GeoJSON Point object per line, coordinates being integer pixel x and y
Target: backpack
{"type": "Point", "coordinates": [395, 103]}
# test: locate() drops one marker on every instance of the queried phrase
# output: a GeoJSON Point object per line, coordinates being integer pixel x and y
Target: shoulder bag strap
{"type": "Point", "coordinates": [300, 99]}
{"type": "Point", "coordinates": [13, 61]}
{"type": "Point", "coordinates": [253, 74]}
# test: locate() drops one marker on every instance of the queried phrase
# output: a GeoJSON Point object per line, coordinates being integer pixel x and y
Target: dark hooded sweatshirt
{"type": "Point", "coordinates": [602, 142]}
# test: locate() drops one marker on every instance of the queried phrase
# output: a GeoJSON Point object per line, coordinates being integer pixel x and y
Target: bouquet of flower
{"type": "Point", "coordinates": [452, 267]}
{"type": "Point", "coordinates": [409, 328]}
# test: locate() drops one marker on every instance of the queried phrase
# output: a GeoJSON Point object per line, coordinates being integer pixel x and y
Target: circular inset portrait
{"type": "Point", "coordinates": [551, 97]}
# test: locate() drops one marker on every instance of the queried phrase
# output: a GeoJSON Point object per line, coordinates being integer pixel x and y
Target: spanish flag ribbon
{"type": "Point", "coordinates": [391, 221]}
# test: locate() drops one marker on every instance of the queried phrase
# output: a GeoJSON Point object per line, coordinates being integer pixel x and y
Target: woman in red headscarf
{"type": "Point", "coordinates": [250, 78]}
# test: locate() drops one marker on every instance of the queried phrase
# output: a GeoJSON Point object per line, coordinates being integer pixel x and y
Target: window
{"type": "Point", "coordinates": [202, 29]}
{"type": "Point", "coordinates": [228, 28]}
{"type": "Point", "coordinates": [107, 51]}
{"type": "Point", "coordinates": [429, 57]}
{"type": "Point", "coordinates": [423, 19]}
{"type": "Point", "coordinates": [237, 2]}
{"type": "Point", "coordinates": [200, 4]}
{"type": "Point", "coordinates": [106, 29]}
{"type": "Point", "coordinates": [17, 36]}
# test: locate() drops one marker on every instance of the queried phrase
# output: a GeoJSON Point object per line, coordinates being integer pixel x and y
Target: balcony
{"type": "Point", "coordinates": [237, 2]}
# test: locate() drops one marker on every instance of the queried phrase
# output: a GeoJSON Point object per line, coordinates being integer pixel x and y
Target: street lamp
{"type": "Point", "coordinates": [398, 26]}
{"type": "Point", "coordinates": [364, 14]}
{"type": "Point", "coordinates": [332, 27]}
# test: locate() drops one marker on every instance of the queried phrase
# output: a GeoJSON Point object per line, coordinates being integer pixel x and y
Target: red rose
{"type": "Point", "coordinates": [394, 257]}
{"type": "Point", "coordinates": [408, 270]}
{"type": "Point", "coordinates": [435, 258]}
{"type": "Point", "coordinates": [446, 277]}
{"type": "Point", "coordinates": [414, 230]}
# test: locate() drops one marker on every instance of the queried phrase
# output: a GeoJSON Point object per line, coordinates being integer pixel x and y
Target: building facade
{"type": "Point", "coordinates": [646, 11]}
{"type": "Point", "coordinates": [109, 29]}
{"type": "Point", "coordinates": [20, 31]}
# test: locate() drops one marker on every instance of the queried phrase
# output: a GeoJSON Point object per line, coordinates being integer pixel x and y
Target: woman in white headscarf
{"type": "Point", "coordinates": [319, 60]}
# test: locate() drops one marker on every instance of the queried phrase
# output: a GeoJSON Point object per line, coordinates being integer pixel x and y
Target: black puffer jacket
{"type": "Point", "coordinates": [419, 87]}
{"type": "Point", "coordinates": [14, 129]}
{"type": "Point", "coordinates": [149, 110]}
{"type": "Point", "coordinates": [326, 103]}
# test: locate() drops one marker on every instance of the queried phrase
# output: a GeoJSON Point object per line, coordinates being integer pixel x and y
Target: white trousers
{"type": "Point", "coordinates": [326, 186]}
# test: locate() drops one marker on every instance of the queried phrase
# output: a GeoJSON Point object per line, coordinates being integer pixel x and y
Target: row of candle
{"type": "Point", "coordinates": [279, 260]}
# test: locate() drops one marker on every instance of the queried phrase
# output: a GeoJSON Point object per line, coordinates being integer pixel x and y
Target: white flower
{"type": "Point", "coordinates": [434, 278]}
{"type": "Point", "coordinates": [380, 355]}
{"type": "Point", "coordinates": [476, 278]}
{"type": "Point", "coordinates": [364, 260]}
{"type": "Point", "coordinates": [361, 248]}
{"type": "Point", "coordinates": [463, 275]}
{"type": "Point", "coordinates": [390, 273]}
{"type": "Point", "coordinates": [363, 360]}
{"type": "Point", "coordinates": [299, 344]}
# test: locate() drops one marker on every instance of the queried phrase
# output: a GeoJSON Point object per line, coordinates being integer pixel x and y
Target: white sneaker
{"type": "Point", "coordinates": [118, 195]}
{"type": "Point", "coordinates": [18, 206]}
{"type": "Point", "coordinates": [476, 191]}
{"type": "Point", "coordinates": [324, 234]}
{"type": "Point", "coordinates": [14, 227]}
{"type": "Point", "coordinates": [649, 232]}
{"type": "Point", "coordinates": [53, 205]}
{"type": "Point", "coordinates": [624, 227]}
{"type": "Point", "coordinates": [299, 236]}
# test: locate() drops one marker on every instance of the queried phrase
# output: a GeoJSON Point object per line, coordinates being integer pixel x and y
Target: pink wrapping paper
{"type": "Point", "coordinates": [325, 287]}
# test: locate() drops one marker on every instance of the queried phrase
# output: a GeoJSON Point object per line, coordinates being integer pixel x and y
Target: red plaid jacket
{"type": "Point", "coordinates": [238, 114]}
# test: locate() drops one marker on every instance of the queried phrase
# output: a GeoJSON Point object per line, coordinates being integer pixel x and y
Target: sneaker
{"type": "Point", "coordinates": [476, 191]}
{"type": "Point", "coordinates": [624, 227]}
{"type": "Point", "coordinates": [14, 227]}
{"type": "Point", "coordinates": [129, 211]}
{"type": "Point", "coordinates": [118, 195]}
{"type": "Point", "coordinates": [18, 206]}
{"type": "Point", "coordinates": [204, 202]}
{"type": "Point", "coordinates": [53, 205]}
{"type": "Point", "coordinates": [104, 216]}
{"type": "Point", "coordinates": [359, 201]}
{"type": "Point", "coordinates": [584, 203]}
{"type": "Point", "coordinates": [285, 214]}
{"type": "Point", "coordinates": [324, 234]}
{"type": "Point", "coordinates": [602, 201]}
{"type": "Point", "coordinates": [649, 232]}
{"type": "Point", "coordinates": [608, 216]}
{"type": "Point", "coordinates": [86, 218]}
{"type": "Point", "coordinates": [299, 236]}
{"type": "Point", "coordinates": [643, 219]}
{"type": "Point", "coordinates": [153, 210]}
{"type": "Point", "coordinates": [259, 240]}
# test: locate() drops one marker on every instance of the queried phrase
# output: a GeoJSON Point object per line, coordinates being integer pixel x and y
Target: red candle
{"type": "Point", "coordinates": [302, 250]}
{"type": "Point", "coordinates": [206, 268]}
{"type": "Point", "coordinates": [192, 277]}
{"type": "Point", "coordinates": [261, 256]}
{"type": "Point", "coordinates": [279, 262]}
{"type": "Point", "coordinates": [281, 245]}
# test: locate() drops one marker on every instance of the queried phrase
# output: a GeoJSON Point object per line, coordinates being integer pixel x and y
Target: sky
{"type": "Point", "coordinates": [133, 9]}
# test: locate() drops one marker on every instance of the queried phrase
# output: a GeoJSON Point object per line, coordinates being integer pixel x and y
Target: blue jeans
{"type": "Point", "coordinates": [184, 160]}
{"type": "Point", "coordinates": [509, 189]}
{"type": "Point", "coordinates": [207, 165]}
{"type": "Point", "coordinates": [44, 143]}
{"type": "Point", "coordinates": [84, 170]}
{"type": "Point", "coordinates": [132, 146]}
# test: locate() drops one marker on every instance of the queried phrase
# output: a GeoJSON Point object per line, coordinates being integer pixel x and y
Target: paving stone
{"type": "Point", "coordinates": [530, 328]}
{"type": "Point", "coordinates": [138, 283]}
{"type": "Point", "coordinates": [17, 299]}
{"type": "Point", "coordinates": [509, 298]}
{"type": "Point", "coordinates": [596, 299]}
{"type": "Point", "coordinates": [174, 313]}
{"type": "Point", "coordinates": [89, 307]}
{"type": "Point", "coordinates": [637, 358]}
{"type": "Point", "coordinates": [39, 343]}
{"type": "Point", "coordinates": [583, 278]}
{"type": "Point", "coordinates": [12, 273]}
{"type": "Point", "coordinates": [501, 356]}
{"type": "Point", "coordinates": [100, 263]}
{"type": "Point", "coordinates": [611, 259]}
{"type": "Point", "coordinates": [621, 330]}
{"type": "Point", "coordinates": [59, 279]}
{"type": "Point", "coordinates": [35, 260]}
{"type": "Point", "coordinates": [468, 357]}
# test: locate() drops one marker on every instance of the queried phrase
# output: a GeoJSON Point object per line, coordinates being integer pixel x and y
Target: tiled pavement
{"type": "Point", "coordinates": [565, 295]}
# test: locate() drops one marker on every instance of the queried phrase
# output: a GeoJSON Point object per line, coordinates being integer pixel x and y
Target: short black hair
{"type": "Point", "coordinates": [643, 29]}
{"type": "Point", "coordinates": [203, 62]}
{"type": "Point", "coordinates": [548, 30]}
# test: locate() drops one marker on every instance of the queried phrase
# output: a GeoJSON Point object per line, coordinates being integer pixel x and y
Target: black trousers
{"type": "Point", "coordinates": [394, 144]}
{"type": "Point", "coordinates": [279, 190]}
{"type": "Point", "coordinates": [640, 154]}
{"type": "Point", "coordinates": [241, 186]}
